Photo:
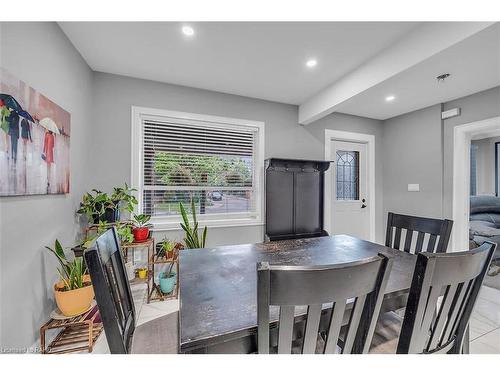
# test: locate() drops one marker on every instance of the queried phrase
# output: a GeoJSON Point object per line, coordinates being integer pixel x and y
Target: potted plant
{"type": "Point", "coordinates": [98, 206]}
{"type": "Point", "coordinates": [168, 278]}
{"type": "Point", "coordinates": [142, 272]}
{"type": "Point", "coordinates": [141, 227]}
{"type": "Point", "coordinates": [165, 249]}
{"type": "Point", "coordinates": [124, 231]}
{"type": "Point", "coordinates": [74, 292]}
{"type": "Point", "coordinates": [123, 198]}
{"type": "Point", "coordinates": [192, 239]}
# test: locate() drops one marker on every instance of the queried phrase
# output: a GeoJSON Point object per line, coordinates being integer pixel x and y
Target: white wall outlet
{"type": "Point", "coordinates": [413, 187]}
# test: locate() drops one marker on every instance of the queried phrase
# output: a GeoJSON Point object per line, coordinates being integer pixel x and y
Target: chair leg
{"type": "Point", "coordinates": [466, 341]}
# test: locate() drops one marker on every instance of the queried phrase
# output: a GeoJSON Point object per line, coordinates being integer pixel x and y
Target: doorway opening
{"type": "Point", "coordinates": [475, 182]}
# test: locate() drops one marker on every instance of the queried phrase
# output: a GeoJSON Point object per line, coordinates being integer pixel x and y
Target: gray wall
{"type": "Point", "coordinates": [418, 148]}
{"type": "Point", "coordinates": [284, 137]}
{"type": "Point", "coordinates": [42, 56]}
{"type": "Point", "coordinates": [412, 154]}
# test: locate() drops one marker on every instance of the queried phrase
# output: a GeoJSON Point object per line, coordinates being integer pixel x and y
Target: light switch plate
{"type": "Point", "coordinates": [413, 187]}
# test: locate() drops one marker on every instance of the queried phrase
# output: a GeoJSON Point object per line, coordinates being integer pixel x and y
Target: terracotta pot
{"type": "Point", "coordinates": [140, 234]}
{"type": "Point", "coordinates": [74, 302]}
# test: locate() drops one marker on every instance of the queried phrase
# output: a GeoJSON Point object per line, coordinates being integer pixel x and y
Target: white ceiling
{"type": "Point", "coordinates": [264, 60]}
{"type": "Point", "coordinates": [474, 65]}
{"type": "Point", "coordinates": [267, 60]}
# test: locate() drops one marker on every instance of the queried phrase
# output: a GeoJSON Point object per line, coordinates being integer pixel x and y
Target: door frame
{"type": "Point", "coordinates": [369, 140]}
{"type": "Point", "coordinates": [462, 136]}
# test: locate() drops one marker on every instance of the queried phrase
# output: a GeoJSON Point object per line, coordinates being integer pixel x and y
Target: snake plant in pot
{"type": "Point", "coordinates": [193, 240]}
{"type": "Point", "coordinates": [74, 292]}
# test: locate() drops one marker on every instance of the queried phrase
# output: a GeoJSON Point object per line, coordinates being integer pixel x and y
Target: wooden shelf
{"type": "Point", "coordinates": [73, 332]}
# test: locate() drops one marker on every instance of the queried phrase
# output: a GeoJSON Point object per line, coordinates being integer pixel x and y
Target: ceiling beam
{"type": "Point", "coordinates": [421, 43]}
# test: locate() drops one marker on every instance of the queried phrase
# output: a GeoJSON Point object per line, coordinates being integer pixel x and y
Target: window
{"type": "Point", "coordinates": [215, 162]}
{"type": "Point", "coordinates": [347, 175]}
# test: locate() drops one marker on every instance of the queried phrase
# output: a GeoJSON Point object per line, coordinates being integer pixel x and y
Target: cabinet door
{"type": "Point", "coordinates": [307, 197]}
{"type": "Point", "coordinates": [279, 202]}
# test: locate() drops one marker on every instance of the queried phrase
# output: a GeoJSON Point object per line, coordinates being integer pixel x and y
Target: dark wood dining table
{"type": "Point", "coordinates": [218, 286]}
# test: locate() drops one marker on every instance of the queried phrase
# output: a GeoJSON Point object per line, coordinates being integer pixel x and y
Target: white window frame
{"type": "Point", "coordinates": [139, 114]}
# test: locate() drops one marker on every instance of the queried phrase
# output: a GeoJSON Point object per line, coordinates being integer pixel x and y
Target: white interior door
{"type": "Point", "coordinates": [350, 203]}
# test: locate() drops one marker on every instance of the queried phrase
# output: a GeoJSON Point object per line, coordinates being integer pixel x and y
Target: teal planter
{"type": "Point", "coordinates": [167, 284]}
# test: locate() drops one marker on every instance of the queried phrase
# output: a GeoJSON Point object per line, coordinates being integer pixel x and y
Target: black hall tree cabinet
{"type": "Point", "coordinates": [294, 198]}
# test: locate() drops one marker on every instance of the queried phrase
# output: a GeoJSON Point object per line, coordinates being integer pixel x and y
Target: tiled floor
{"type": "Point", "coordinates": [485, 323]}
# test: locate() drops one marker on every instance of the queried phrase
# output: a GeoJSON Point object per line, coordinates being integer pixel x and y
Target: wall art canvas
{"type": "Point", "coordinates": [34, 141]}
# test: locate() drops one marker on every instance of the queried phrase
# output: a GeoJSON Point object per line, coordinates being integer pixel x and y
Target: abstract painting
{"type": "Point", "coordinates": [34, 141]}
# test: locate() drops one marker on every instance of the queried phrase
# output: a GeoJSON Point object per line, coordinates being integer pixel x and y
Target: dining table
{"type": "Point", "coordinates": [218, 287]}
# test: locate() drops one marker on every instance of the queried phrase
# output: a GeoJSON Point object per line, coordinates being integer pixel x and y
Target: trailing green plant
{"type": "Point", "coordinates": [124, 231]}
{"type": "Point", "coordinates": [95, 203]}
{"type": "Point", "coordinates": [71, 272]}
{"type": "Point", "coordinates": [142, 220]}
{"type": "Point", "coordinates": [192, 239]}
{"type": "Point", "coordinates": [101, 228]}
{"type": "Point", "coordinates": [124, 197]}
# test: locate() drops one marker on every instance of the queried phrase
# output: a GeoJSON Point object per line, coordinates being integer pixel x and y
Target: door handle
{"type": "Point", "coordinates": [363, 205]}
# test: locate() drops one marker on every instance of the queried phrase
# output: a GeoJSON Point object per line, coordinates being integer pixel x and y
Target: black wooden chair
{"type": "Point", "coordinates": [438, 231]}
{"type": "Point", "coordinates": [112, 291]}
{"type": "Point", "coordinates": [442, 296]}
{"type": "Point", "coordinates": [291, 286]}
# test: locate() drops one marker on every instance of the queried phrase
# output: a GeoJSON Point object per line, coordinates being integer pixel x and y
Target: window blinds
{"type": "Point", "coordinates": [211, 164]}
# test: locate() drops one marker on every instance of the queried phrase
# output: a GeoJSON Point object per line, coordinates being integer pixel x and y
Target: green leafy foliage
{"type": "Point", "coordinates": [125, 233]}
{"type": "Point", "coordinates": [124, 196]}
{"type": "Point", "coordinates": [165, 247]}
{"type": "Point", "coordinates": [208, 170]}
{"type": "Point", "coordinates": [192, 239]}
{"type": "Point", "coordinates": [71, 272]}
{"type": "Point", "coordinates": [142, 220]}
{"type": "Point", "coordinates": [95, 203]}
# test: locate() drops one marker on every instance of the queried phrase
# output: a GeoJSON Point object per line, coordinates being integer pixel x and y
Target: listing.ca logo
{"type": "Point", "coordinates": [30, 350]}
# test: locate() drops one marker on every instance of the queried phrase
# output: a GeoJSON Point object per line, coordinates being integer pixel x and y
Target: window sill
{"type": "Point", "coordinates": [161, 226]}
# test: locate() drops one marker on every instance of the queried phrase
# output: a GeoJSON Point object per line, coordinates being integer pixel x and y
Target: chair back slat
{"type": "Point", "coordinates": [335, 326]}
{"type": "Point", "coordinates": [442, 295]}
{"type": "Point", "coordinates": [408, 240]}
{"type": "Point", "coordinates": [438, 231]}
{"type": "Point", "coordinates": [420, 242]}
{"type": "Point", "coordinates": [312, 328]}
{"type": "Point", "coordinates": [355, 317]}
{"type": "Point", "coordinates": [289, 286]}
{"type": "Point", "coordinates": [287, 314]}
{"type": "Point", "coordinates": [437, 331]}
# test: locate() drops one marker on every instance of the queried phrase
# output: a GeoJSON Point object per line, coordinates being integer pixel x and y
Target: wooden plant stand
{"type": "Point", "coordinates": [149, 244]}
{"type": "Point", "coordinates": [83, 329]}
{"type": "Point", "coordinates": [155, 293]}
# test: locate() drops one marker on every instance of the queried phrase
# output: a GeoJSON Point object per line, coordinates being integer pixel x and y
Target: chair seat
{"type": "Point", "coordinates": [386, 336]}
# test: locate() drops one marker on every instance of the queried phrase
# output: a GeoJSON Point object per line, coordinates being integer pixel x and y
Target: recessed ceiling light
{"type": "Point", "coordinates": [390, 98]}
{"type": "Point", "coordinates": [187, 30]}
{"type": "Point", "coordinates": [311, 63]}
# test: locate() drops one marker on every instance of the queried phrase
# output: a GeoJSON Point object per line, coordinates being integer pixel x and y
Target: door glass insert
{"type": "Point", "coordinates": [347, 175]}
